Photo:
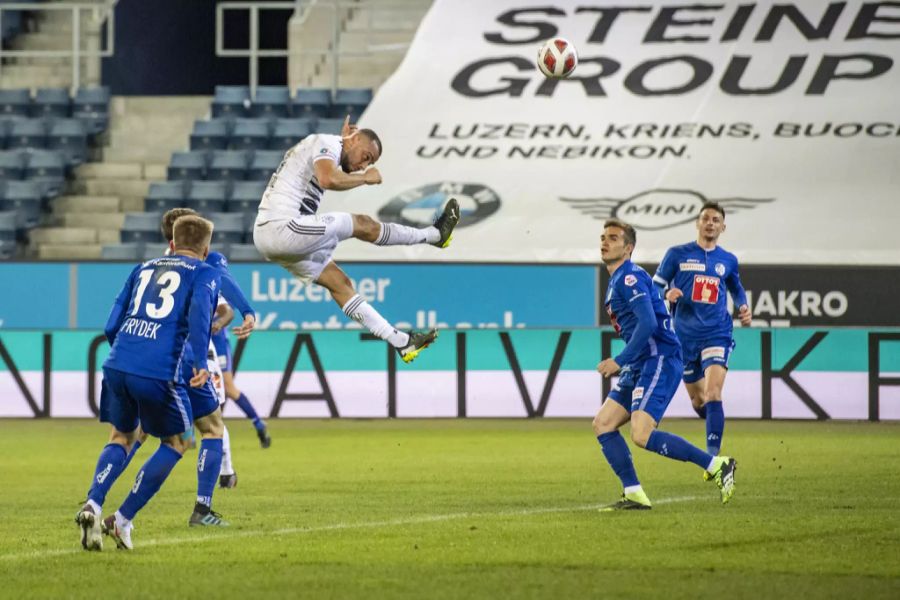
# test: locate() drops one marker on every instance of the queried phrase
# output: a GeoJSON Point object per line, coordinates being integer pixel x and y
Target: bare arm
{"type": "Point", "coordinates": [224, 315]}
{"type": "Point", "coordinates": [332, 177]}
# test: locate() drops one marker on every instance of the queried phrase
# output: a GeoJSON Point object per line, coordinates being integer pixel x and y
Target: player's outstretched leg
{"type": "Point", "coordinates": [606, 427]}
{"type": "Point", "coordinates": [394, 234]}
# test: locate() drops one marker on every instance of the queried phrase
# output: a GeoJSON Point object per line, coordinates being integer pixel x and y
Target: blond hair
{"type": "Point", "coordinates": [192, 232]}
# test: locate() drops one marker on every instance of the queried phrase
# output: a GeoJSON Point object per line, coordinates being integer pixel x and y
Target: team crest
{"type": "Point", "coordinates": [630, 280]}
{"type": "Point", "coordinates": [720, 269]}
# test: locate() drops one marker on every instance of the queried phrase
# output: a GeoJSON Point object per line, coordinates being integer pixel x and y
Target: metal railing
{"type": "Point", "coordinates": [100, 12]}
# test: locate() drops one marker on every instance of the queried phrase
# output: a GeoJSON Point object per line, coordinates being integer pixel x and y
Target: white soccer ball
{"type": "Point", "coordinates": [557, 58]}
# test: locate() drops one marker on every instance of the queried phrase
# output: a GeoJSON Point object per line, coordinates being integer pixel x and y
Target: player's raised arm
{"type": "Point", "coordinates": [120, 307]}
{"type": "Point", "coordinates": [346, 165]}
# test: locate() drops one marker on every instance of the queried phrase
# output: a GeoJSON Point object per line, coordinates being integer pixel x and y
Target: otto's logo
{"type": "Point", "coordinates": [658, 209]}
{"type": "Point", "coordinates": [419, 207]}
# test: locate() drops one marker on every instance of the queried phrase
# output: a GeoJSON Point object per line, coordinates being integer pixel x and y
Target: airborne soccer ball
{"type": "Point", "coordinates": [557, 58]}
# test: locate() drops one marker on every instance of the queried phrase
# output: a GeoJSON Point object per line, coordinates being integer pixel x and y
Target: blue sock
{"type": "Point", "coordinates": [672, 446]}
{"type": "Point", "coordinates": [619, 457]}
{"type": "Point", "coordinates": [109, 466]}
{"type": "Point", "coordinates": [134, 449]}
{"type": "Point", "coordinates": [715, 426]}
{"type": "Point", "coordinates": [209, 463]}
{"type": "Point", "coordinates": [700, 410]}
{"type": "Point", "coordinates": [149, 479]}
{"type": "Point", "coordinates": [248, 409]}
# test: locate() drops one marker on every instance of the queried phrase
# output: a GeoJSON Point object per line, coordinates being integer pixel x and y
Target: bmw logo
{"type": "Point", "coordinates": [420, 207]}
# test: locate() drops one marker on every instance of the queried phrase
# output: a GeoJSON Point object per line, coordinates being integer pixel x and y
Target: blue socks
{"type": "Point", "coordinates": [149, 479]}
{"type": "Point", "coordinates": [619, 457]}
{"type": "Point", "coordinates": [715, 426]}
{"type": "Point", "coordinates": [672, 446]}
{"type": "Point", "coordinates": [134, 449]}
{"type": "Point", "coordinates": [110, 465]}
{"type": "Point", "coordinates": [248, 409]}
{"type": "Point", "coordinates": [209, 463]}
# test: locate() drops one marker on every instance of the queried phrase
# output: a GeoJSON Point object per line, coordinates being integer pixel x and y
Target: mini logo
{"type": "Point", "coordinates": [720, 269]}
{"type": "Point", "coordinates": [630, 280]}
{"type": "Point", "coordinates": [420, 207]}
{"type": "Point", "coordinates": [658, 208]}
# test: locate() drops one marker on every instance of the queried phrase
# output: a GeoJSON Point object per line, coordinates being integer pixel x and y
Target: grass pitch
{"type": "Point", "coordinates": [465, 509]}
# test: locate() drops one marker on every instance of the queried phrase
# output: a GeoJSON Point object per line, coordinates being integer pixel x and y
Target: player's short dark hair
{"type": "Point", "coordinates": [192, 232]}
{"type": "Point", "coordinates": [374, 137]}
{"type": "Point", "coordinates": [710, 205]}
{"type": "Point", "coordinates": [169, 218]}
{"type": "Point", "coordinates": [630, 233]}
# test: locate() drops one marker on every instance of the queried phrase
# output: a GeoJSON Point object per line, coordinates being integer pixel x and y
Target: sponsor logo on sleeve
{"type": "Point", "coordinates": [630, 280]}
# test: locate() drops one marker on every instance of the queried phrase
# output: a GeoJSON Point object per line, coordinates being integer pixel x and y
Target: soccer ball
{"type": "Point", "coordinates": [557, 58]}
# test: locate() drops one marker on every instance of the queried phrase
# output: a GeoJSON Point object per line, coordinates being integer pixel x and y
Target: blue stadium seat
{"type": "Point", "coordinates": [91, 106]}
{"type": "Point", "coordinates": [289, 132]}
{"type": "Point", "coordinates": [12, 165]}
{"type": "Point", "coordinates": [69, 136]}
{"type": "Point", "coordinates": [51, 102]}
{"type": "Point", "coordinates": [164, 195]}
{"type": "Point", "coordinates": [210, 135]}
{"type": "Point", "coordinates": [351, 102]}
{"type": "Point", "coordinates": [187, 166]}
{"type": "Point", "coordinates": [152, 250]}
{"type": "Point", "coordinates": [263, 164]}
{"type": "Point", "coordinates": [249, 222]}
{"type": "Point", "coordinates": [142, 227]}
{"type": "Point", "coordinates": [245, 196]}
{"type": "Point", "coordinates": [229, 228]}
{"type": "Point", "coordinates": [207, 196]}
{"type": "Point", "coordinates": [23, 197]}
{"type": "Point", "coordinates": [8, 226]}
{"type": "Point", "coordinates": [27, 133]}
{"type": "Point", "coordinates": [15, 102]}
{"type": "Point", "coordinates": [244, 252]}
{"type": "Point", "coordinates": [131, 252]}
{"type": "Point", "coordinates": [48, 169]}
{"type": "Point", "coordinates": [231, 101]}
{"type": "Point", "coordinates": [311, 103]}
{"type": "Point", "coordinates": [227, 165]}
{"type": "Point", "coordinates": [332, 126]}
{"type": "Point", "coordinates": [250, 134]}
{"type": "Point", "coordinates": [271, 102]}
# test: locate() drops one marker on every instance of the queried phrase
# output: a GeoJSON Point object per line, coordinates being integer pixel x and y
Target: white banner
{"type": "Point", "coordinates": [787, 113]}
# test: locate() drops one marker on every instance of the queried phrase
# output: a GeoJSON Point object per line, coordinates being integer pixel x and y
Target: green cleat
{"type": "Point", "coordinates": [418, 341]}
{"type": "Point", "coordinates": [634, 501]}
{"type": "Point", "coordinates": [723, 474]}
{"type": "Point", "coordinates": [447, 222]}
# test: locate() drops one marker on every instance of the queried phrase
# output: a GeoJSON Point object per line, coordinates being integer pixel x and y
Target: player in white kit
{"type": "Point", "coordinates": [289, 231]}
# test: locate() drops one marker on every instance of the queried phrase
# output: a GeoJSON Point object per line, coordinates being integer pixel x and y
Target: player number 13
{"type": "Point", "coordinates": [168, 283]}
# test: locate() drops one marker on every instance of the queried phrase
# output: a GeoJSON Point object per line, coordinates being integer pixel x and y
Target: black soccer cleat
{"type": "Point", "coordinates": [265, 440]}
{"type": "Point", "coordinates": [203, 516]}
{"type": "Point", "coordinates": [625, 504]}
{"type": "Point", "coordinates": [228, 481]}
{"type": "Point", "coordinates": [447, 222]}
{"type": "Point", "coordinates": [418, 341]}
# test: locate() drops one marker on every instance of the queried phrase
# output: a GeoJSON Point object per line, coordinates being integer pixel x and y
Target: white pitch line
{"type": "Point", "coordinates": [226, 535]}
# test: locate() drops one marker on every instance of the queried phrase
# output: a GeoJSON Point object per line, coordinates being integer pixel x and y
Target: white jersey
{"type": "Point", "coordinates": [294, 189]}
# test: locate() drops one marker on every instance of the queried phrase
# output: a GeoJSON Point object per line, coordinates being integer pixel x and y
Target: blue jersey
{"type": "Point", "coordinates": [703, 276]}
{"type": "Point", "coordinates": [639, 316]}
{"type": "Point", "coordinates": [166, 305]}
{"type": "Point", "coordinates": [230, 289]}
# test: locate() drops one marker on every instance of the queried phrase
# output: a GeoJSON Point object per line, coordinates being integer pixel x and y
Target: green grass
{"type": "Point", "coordinates": [466, 509]}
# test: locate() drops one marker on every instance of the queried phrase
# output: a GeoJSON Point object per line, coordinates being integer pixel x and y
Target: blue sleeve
{"type": "Point", "coordinates": [231, 291]}
{"type": "Point", "coordinates": [642, 307]}
{"type": "Point", "coordinates": [735, 287]}
{"type": "Point", "coordinates": [665, 272]}
{"type": "Point", "coordinates": [204, 297]}
{"type": "Point", "coordinates": [117, 314]}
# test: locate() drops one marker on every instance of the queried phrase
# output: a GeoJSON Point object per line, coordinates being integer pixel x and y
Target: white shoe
{"type": "Point", "coordinates": [122, 535]}
{"type": "Point", "coordinates": [89, 522]}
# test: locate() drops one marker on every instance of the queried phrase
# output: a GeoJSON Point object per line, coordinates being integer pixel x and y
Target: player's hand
{"type": "Point", "coordinates": [200, 377]}
{"type": "Point", "coordinates": [246, 328]}
{"type": "Point", "coordinates": [674, 294]}
{"type": "Point", "coordinates": [372, 176]}
{"type": "Point", "coordinates": [217, 326]}
{"type": "Point", "coordinates": [347, 129]}
{"type": "Point", "coordinates": [745, 315]}
{"type": "Point", "coordinates": [608, 367]}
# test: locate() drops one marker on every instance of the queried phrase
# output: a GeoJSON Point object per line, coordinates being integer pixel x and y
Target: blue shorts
{"type": "Point", "coordinates": [699, 355]}
{"type": "Point", "coordinates": [203, 399]}
{"type": "Point", "coordinates": [161, 407]}
{"type": "Point", "coordinates": [649, 387]}
{"type": "Point", "coordinates": [223, 349]}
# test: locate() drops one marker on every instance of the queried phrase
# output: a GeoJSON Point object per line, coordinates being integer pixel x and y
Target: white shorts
{"type": "Point", "coordinates": [302, 245]}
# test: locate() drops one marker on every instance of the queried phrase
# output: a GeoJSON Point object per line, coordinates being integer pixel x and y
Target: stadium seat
{"type": "Point", "coordinates": [130, 252]}
{"type": "Point", "coordinates": [227, 165]}
{"type": "Point", "coordinates": [8, 221]}
{"type": "Point", "coordinates": [289, 132]}
{"type": "Point", "coordinates": [244, 252]}
{"type": "Point", "coordinates": [231, 101]}
{"type": "Point", "coordinates": [271, 102]}
{"type": "Point", "coordinates": [311, 104]}
{"type": "Point", "coordinates": [23, 197]}
{"type": "Point", "coordinates": [142, 227]}
{"type": "Point", "coordinates": [165, 195]}
{"type": "Point", "coordinates": [350, 102]}
{"type": "Point", "coordinates": [51, 102]}
{"type": "Point", "coordinates": [263, 164]}
{"type": "Point", "coordinates": [12, 165]}
{"type": "Point", "coordinates": [187, 165]}
{"type": "Point", "coordinates": [150, 251]}
{"type": "Point", "coordinates": [15, 102]}
{"type": "Point", "coordinates": [210, 135]}
{"type": "Point", "coordinates": [69, 136]}
{"type": "Point", "coordinates": [249, 134]}
{"type": "Point", "coordinates": [332, 126]}
{"type": "Point", "coordinates": [229, 228]}
{"type": "Point", "coordinates": [91, 106]}
{"type": "Point", "coordinates": [27, 133]}
{"type": "Point", "coordinates": [207, 196]}
{"type": "Point", "coordinates": [48, 169]}
{"type": "Point", "coordinates": [245, 196]}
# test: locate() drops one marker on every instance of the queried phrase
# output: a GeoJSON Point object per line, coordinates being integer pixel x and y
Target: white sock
{"type": "Point", "coordinates": [122, 521]}
{"type": "Point", "coordinates": [632, 489]}
{"type": "Point", "coordinates": [97, 508]}
{"type": "Point", "coordinates": [711, 464]}
{"type": "Point", "coordinates": [393, 234]}
{"type": "Point", "coordinates": [361, 311]}
{"type": "Point", "coordinates": [227, 468]}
